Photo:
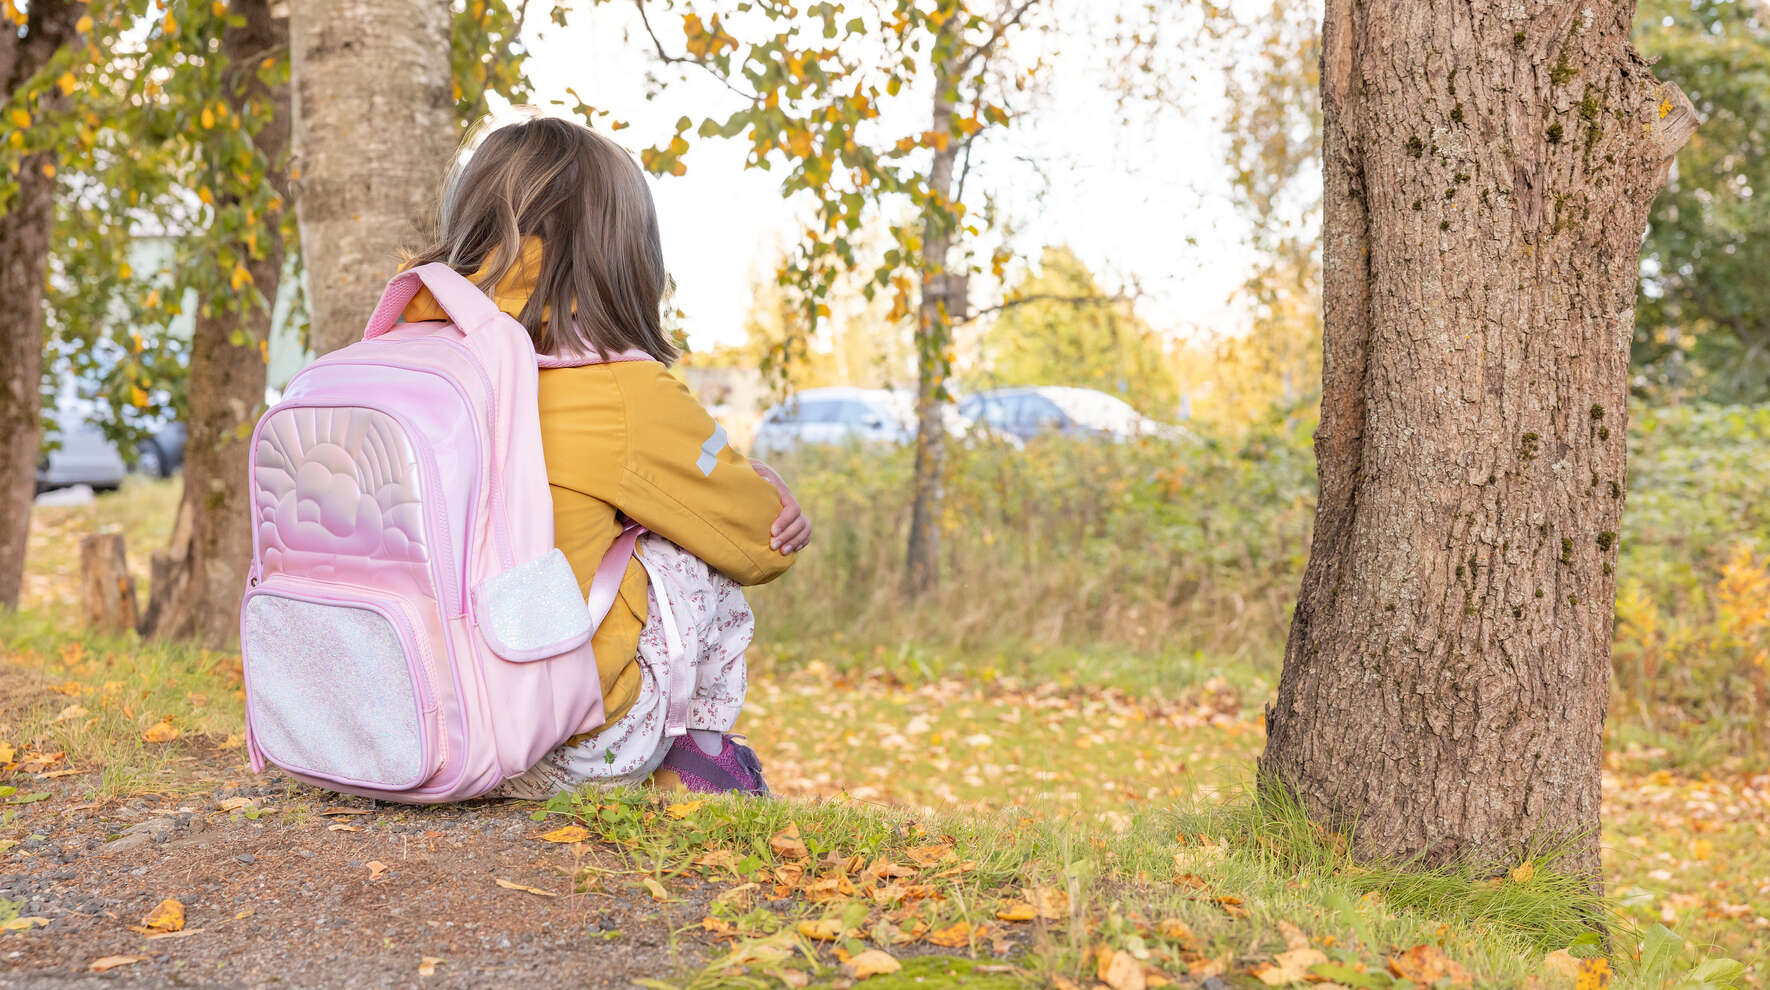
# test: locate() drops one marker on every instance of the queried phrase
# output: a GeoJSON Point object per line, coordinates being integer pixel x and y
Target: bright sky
{"type": "Point", "coordinates": [1127, 198]}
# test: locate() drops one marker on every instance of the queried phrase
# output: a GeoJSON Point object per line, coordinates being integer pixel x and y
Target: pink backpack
{"type": "Point", "coordinates": [409, 632]}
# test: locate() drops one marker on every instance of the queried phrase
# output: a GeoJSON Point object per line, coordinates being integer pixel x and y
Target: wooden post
{"type": "Point", "coordinates": [107, 590]}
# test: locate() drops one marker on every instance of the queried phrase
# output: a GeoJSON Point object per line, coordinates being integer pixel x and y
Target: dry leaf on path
{"type": "Point", "coordinates": [1119, 970]}
{"type": "Point", "coordinates": [1289, 967]}
{"type": "Point", "coordinates": [565, 833]}
{"type": "Point", "coordinates": [787, 844]}
{"type": "Point", "coordinates": [376, 869]}
{"type": "Point", "coordinates": [347, 811]}
{"type": "Point", "coordinates": [112, 962]}
{"type": "Point", "coordinates": [1426, 965]}
{"type": "Point", "coordinates": [870, 963]}
{"type": "Point", "coordinates": [427, 964]}
{"type": "Point", "coordinates": [1051, 904]}
{"type": "Point", "coordinates": [1178, 930]}
{"type": "Point", "coordinates": [6, 752]}
{"type": "Point", "coordinates": [719, 858]}
{"type": "Point", "coordinates": [161, 731]}
{"type": "Point", "coordinates": [341, 827]}
{"type": "Point", "coordinates": [823, 929]}
{"type": "Point", "coordinates": [150, 935]}
{"type": "Point", "coordinates": [658, 893]}
{"type": "Point", "coordinates": [236, 803]}
{"type": "Point", "coordinates": [71, 712]}
{"type": "Point", "coordinates": [24, 924]}
{"type": "Point", "coordinates": [507, 885]}
{"type": "Point", "coordinates": [167, 916]}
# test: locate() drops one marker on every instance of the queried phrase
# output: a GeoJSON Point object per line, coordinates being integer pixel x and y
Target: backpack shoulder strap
{"type": "Point", "coordinates": [468, 307]}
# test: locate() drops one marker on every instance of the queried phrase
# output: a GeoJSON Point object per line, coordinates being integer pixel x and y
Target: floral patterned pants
{"type": "Point", "coordinates": [692, 676]}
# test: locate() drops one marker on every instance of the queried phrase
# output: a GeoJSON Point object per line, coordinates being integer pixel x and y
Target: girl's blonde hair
{"type": "Point", "coordinates": [586, 199]}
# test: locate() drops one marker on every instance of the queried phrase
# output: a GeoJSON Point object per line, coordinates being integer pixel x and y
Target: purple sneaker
{"type": "Point", "coordinates": [736, 768]}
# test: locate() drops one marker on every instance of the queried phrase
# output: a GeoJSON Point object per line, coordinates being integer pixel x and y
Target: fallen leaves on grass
{"type": "Point", "coordinates": [955, 935]}
{"type": "Point", "coordinates": [161, 731]}
{"type": "Point", "coordinates": [112, 962]}
{"type": "Point", "coordinates": [1118, 969]}
{"type": "Point", "coordinates": [682, 810]}
{"type": "Point", "coordinates": [71, 712]}
{"type": "Point", "coordinates": [1426, 965]}
{"type": "Point", "coordinates": [6, 752]}
{"type": "Point", "coordinates": [787, 844]}
{"type": "Point", "coordinates": [508, 885]}
{"type": "Point", "coordinates": [1523, 872]}
{"type": "Point", "coordinates": [1289, 967]}
{"type": "Point", "coordinates": [1594, 974]}
{"type": "Point", "coordinates": [566, 834]}
{"type": "Point", "coordinates": [1179, 931]}
{"type": "Point", "coordinates": [236, 803]}
{"type": "Point", "coordinates": [929, 855]}
{"type": "Point", "coordinates": [872, 962]}
{"type": "Point", "coordinates": [823, 929]}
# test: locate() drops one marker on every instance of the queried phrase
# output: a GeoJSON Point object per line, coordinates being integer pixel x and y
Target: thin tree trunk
{"type": "Point", "coordinates": [1488, 170]}
{"type": "Point", "coordinates": [197, 580]}
{"type": "Point", "coordinates": [933, 337]}
{"type": "Point", "coordinates": [25, 225]}
{"type": "Point", "coordinates": [374, 126]}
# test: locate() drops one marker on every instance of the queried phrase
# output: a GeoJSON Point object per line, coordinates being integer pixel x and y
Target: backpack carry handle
{"type": "Point", "coordinates": [470, 308]}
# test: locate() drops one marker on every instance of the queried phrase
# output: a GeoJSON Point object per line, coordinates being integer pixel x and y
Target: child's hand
{"type": "Point", "coordinates": [791, 530]}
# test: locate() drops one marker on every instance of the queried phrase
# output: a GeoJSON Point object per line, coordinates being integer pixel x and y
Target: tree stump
{"type": "Point", "coordinates": [107, 590]}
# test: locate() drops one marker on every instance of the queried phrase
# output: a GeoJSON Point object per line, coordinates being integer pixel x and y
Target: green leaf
{"type": "Point", "coordinates": [31, 798]}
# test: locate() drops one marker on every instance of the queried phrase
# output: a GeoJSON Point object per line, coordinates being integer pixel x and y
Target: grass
{"type": "Point", "coordinates": [1101, 769]}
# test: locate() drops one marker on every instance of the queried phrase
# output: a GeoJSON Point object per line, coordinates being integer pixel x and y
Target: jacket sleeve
{"type": "Point", "coordinates": [685, 482]}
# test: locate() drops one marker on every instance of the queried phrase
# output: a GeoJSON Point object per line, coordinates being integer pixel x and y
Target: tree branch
{"type": "Point", "coordinates": [1058, 297]}
{"type": "Point", "coordinates": [669, 59]}
{"type": "Point", "coordinates": [986, 45]}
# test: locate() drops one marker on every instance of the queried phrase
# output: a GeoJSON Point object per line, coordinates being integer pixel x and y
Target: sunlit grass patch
{"type": "Point", "coordinates": [142, 510]}
{"type": "Point", "coordinates": [112, 704]}
{"type": "Point", "coordinates": [1225, 892]}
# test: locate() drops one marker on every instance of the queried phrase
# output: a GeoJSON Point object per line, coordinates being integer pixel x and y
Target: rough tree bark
{"type": "Point", "coordinates": [196, 581]}
{"type": "Point", "coordinates": [374, 127]}
{"type": "Point", "coordinates": [933, 333]}
{"type": "Point", "coordinates": [1488, 170]}
{"type": "Point", "coordinates": [24, 264]}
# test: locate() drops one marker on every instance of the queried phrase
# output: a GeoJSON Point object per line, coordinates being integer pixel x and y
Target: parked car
{"type": "Point", "coordinates": [162, 454]}
{"type": "Point", "coordinates": [82, 455]}
{"type": "Point", "coordinates": [834, 416]}
{"type": "Point", "coordinates": [1025, 412]}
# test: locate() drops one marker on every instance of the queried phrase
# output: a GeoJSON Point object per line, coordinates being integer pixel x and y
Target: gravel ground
{"type": "Point", "coordinates": [291, 898]}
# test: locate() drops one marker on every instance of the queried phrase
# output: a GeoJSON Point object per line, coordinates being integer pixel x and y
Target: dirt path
{"type": "Point", "coordinates": [301, 898]}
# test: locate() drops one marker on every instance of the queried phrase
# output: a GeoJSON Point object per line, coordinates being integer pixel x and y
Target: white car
{"type": "Point", "coordinates": [82, 456]}
{"type": "Point", "coordinates": [1026, 412]}
{"type": "Point", "coordinates": [825, 416]}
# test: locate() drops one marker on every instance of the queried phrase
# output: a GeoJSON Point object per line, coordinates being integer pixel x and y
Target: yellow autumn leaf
{"type": "Point", "coordinates": [240, 277]}
{"type": "Point", "coordinates": [1426, 965]}
{"type": "Point", "coordinates": [1017, 911]}
{"type": "Point", "coordinates": [71, 712]}
{"type": "Point", "coordinates": [952, 936]}
{"type": "Point", "coordinates": [658, 893]}
{"type": "Point", "coordinates": [1523, 872]}
{"type": "Point", "coordinates": [1289, 967]}
{"type": "Point", "coordinates": [112, 962]}
{"type": "Point", "coordinates": [138, 396]}
{"type": "Point", "coordinates": [124, 271]}
{"type": "Point", "coordinates": [21, 117]}
{"type": "Point", "coordinates": [1119, 970]}
{"type": "Point", "coordinates": [1594, 974]}
{"type": "Point", "coordinates": [871, 963]}
{"type": "Point", "coordinates": [83, 25]}
{"type": "Point", "coordinates": [24, 924]}
{"type": "Point", "coordinates": [162, 731]}
{"type": "Point", "coordinates": [48, 171]}
{"type": "Point", "coordinates": [68, 83]}
{"type": "Point", "coordinates": [167, 916]}
{"type": "Point", "coordinates": [823, 929]}
{"type": "Point", "coordinates": [6, 752]}
{"type": "Point", "coordinates": [207, 117]}
{"type": "Point", "coordinates": [567, 833]}
{"type": "Point", "coordinates": [682, 810]}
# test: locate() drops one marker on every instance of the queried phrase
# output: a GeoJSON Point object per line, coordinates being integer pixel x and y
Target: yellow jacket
{"type": "Point", "coordinates": [628, 439]}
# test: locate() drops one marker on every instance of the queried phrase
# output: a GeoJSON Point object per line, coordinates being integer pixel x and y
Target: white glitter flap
{"type": "Point", "coordinates": [533, 611]}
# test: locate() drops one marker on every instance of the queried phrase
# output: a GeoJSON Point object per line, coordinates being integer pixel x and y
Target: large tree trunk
{"type": "Point", "coordinates": [25, 224]}
{"type": "Point", "coordinates": [197, 580]}
{"type": "Point", "coordinates": [374, 126]}
{"type": "Point", "coordinates": [933, 336]}
{"type": "Point", "coordinates": [1488, 171]}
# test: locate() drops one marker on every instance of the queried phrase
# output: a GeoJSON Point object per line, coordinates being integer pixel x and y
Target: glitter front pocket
{"type": "Point", "coordinates": [339, 691]}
